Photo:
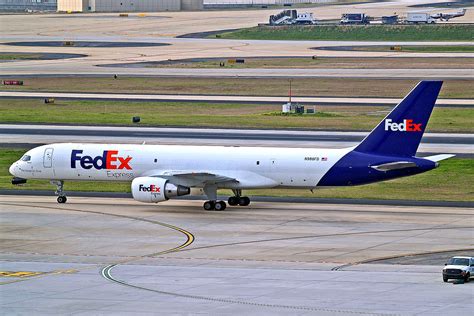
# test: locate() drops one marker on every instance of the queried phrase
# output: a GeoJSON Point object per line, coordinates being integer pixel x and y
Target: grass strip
{"type": "Point", "coordinates": [96, 112]}
{"type": "Point", "coordinates": [340, 87]}
{"type": "Point", "coordinates": [437, 32]}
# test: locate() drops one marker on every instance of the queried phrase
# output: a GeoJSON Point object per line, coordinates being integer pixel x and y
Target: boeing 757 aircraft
{"type": "Point", "coordinates": [158, 173]}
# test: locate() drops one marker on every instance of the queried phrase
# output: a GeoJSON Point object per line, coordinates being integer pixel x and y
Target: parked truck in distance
{"type": "Point", "coordinates": [355, 18]}
{"type": "Point", "coordinates": [292, 17]}
{"type": "Point", "coordinates": [419, 17]}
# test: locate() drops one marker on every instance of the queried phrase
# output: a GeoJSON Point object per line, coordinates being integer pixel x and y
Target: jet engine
{"type": "Point", "coordinates": [154, 189]}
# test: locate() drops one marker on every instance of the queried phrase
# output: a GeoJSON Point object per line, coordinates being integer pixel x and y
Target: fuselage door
{"type": "Point", "coordinates": [48, 158]}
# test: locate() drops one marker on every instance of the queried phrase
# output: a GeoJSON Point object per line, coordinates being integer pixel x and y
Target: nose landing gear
{"type": "Point", "coordinates": [62, 199]}
{"type": "Point", "coordinates": [59, 191]}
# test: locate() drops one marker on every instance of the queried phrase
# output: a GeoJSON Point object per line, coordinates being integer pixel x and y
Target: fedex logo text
{"type": "Point", "coordinates": [405, 126]}
{"type": "Point", "coordinates": [152, 188]}
{"type": "Point", "coordinates": [109, 160]}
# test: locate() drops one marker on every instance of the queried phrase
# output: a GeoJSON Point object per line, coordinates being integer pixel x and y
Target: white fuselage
{"type": "Point", "coordinates": [255, 167]}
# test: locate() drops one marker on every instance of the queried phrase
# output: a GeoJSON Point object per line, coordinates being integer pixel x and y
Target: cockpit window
{"type": "Point", "coordinates": [26, 158]}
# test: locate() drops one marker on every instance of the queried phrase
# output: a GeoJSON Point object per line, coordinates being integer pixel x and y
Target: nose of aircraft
{"type": "Point", "coordinates": [12, 169]}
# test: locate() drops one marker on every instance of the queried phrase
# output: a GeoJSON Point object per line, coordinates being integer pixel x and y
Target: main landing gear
{"type": "Point", "coordinates": [59, 191]}
{"type": "Point", "coordinates": [213, 204]}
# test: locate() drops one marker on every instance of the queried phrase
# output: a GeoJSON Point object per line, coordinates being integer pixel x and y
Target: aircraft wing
{"type": "Point", "coordinates": [194, 178]}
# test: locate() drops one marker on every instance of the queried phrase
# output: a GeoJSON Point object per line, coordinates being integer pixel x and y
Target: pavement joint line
{"type": "Point", "coordinates": [339, 268]}
{"type": "Point", "coordinates": [106, 273]}
{"type": "Point", "coordinates": [189, 236]}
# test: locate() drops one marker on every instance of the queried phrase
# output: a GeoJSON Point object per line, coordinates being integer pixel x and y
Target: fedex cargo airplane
{"type": "Point", "coordinates": [158, 172]}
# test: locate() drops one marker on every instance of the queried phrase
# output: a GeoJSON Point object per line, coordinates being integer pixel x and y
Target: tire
{"type": "Point", "coordinates": [467, 277]}
{"type": "Point", "coordinates": [233, 201]}
{"type": "Point", "coordinates": [209, 205]}
{"type": "Point", "coordinates": [244, 201]}
{"type": "Point", "coordinates": [445, 279]}
{"type": "Point", "coordinates": [220, 206]}
{"type": "Point", "coordinates": [62, 199]}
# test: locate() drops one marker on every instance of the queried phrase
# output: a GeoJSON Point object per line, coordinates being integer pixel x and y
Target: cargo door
{"type": "Point", "coordinates": [48, 158]}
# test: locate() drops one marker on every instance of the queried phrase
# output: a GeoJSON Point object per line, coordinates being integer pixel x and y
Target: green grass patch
{"type": "Point", "coordinates": [452, 181]}
{"type": "Point", "coordinates": [96, 112]}
{"type": "Point", "coordinates": [326, 62]}
{"type": "Point", "coordinates": [9, 56]}
{"type": "Point", "coordinates": [420, 49]}
{"type": "Point", "coordinates": [445, 32]}
{"type": "Point", "coordinates": [341, 87]}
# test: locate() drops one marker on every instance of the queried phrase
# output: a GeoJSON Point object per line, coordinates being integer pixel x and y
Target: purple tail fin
{"type": "Point", "coordinates": [400, 132]}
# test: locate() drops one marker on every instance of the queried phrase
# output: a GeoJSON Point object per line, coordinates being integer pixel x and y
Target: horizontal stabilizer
{"type": "Point", "coordinates": [437, 158]}
{"type": "Point", "coordinates": [394, 166]}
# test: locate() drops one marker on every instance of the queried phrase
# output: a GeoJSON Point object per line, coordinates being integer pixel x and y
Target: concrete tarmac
{"type": "Point", "coordinates": [118, 256]}
{"type": "Point", "coordinates": [225, 98]}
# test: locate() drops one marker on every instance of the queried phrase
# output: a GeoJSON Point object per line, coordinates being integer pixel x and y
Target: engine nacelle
{"type": "Point", "coordinates": [154, 190]}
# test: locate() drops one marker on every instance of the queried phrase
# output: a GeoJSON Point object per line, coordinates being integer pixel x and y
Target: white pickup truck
{"type": "Point", "coordinates": [459, 268]}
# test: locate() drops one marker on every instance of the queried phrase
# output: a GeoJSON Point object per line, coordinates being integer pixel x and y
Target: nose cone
{"type": "Point", "coordinates": [12, 169]}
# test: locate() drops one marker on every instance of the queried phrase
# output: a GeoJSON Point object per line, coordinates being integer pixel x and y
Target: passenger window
{"type": "Point", "coordinates": [26, 158]}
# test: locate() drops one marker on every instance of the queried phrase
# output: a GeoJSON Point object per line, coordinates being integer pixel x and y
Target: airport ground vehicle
{"type": "Point", "coordinates": [459, 268]}
{"type": "Point", "coordinates": [160, 172]}
{"type": "Point", "coordinates": [290, 17]}
{"type": "Point", "coordinates": [354, 18]}
{"type": "Point", "coordinates": [419, 17]}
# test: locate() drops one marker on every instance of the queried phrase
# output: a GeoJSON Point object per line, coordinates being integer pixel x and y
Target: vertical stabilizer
{"type": "Point", "coordinates": [400, 132]}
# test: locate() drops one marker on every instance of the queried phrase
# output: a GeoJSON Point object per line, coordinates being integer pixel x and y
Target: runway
{"type": "Point", "coordinates": [109, 256]}
{"type": "Point", "coordinates": [461, 144]}
{"type": "Point", "coordinates": [32, 69]}
{"type": "Point", "coordinates": [226, 98]}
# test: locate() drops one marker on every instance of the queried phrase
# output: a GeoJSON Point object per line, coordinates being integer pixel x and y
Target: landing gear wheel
{"type": "Point", "coordinates": [233, 201]}
{"type": "Point", "coordinates": [62, 199]}
{"type": "Point", "coordinates": [209, 205]}
{"type": "Point", "coordinates": [244, 201]}
{"type": "Point", "coordinates": [220, 206]}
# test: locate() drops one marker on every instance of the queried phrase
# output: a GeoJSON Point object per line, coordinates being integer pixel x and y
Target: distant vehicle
{"type": "Point", "coordinates": [390, 19]}
{"type": "Point", "coordinates": [459, 268]}
{"type": "Point", "coordinates": [354, 18]}
{"type": "Point", "coordinates": [419, 17]}
{"type": "Point", "coordinates": [447, 16]}
{"type": "Point", "coordinates": [305, 18]}
{"type": "Point", "coordinates": [285, 17]}
{"type": "Point", "coordinates": [289, 17]}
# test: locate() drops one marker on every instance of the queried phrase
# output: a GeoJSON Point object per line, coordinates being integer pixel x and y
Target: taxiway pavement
{"type": "Point", "coordinates": [118, 256]}
{"type": "Point", "coordinates": [225, 98]}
